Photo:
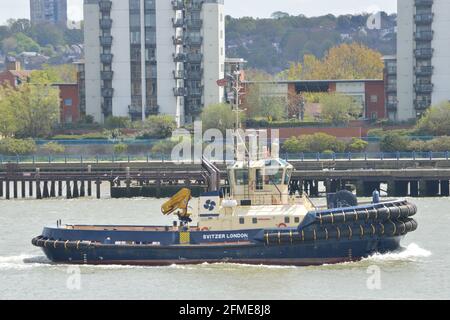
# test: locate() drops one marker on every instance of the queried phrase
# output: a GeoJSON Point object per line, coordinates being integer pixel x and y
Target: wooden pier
{"type": "Point", "coordinates": [162, 179]}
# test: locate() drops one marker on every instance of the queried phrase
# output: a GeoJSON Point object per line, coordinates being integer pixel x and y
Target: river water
{"type": "Point", "coordinates": [419, 271]}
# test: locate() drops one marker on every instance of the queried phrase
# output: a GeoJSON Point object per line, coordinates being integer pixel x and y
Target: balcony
{"type": "Point", "coordinates": [425, 18]}
{"type": "Point", "coordinates": [106, 23]}
{"type": "Point", "coordinates": [180, 57]}
{"type": "Point", "coordinates": [106, 58]}
{"type": "Point", "coordinates": [178, 23]}
{"type": "Point", "coordinates": [422, 104]}
{"type": "Point", "coordinates": [391, 105]}
{"type": "Point", "coordinates": [195, 58]}
{"type": "Point", "coordinates": [178, 40]}
{"type": "Point", "coordinates": [424, 88]}
{"type": "Point", "coordinates": [107, 92]}
{"type": "Point", "coordinates": [195, 75]}
{"type": "Point", "coordinates": [424, 53]}
{"type": "Point", "coordinates": [424, 71]}
{"type": "Point", "coordinates": [178, 4]}
{"type": "Point", "coordinates": [105, 5]}
{"type": "Point", "coordinates": [106, 40]}
{"type": "Point", "coordinates": [392, 71]}
{"type": "Point", "coordinates": [195, 92]}
{"type": "Point", "coordinates": [194, 24]}
{"type": "Point", "coordinates": [107, 75]}
{"type": "Point", "coordinates": [179, 92]}
{"type": "Point", "coordinates": [136, 111]}
{"type": "Point", "coordinates": [391, 88]}
{"type": "Point", "coordinates": [179, 74]}
{"type": "Point", "coordinates": [194, 41]}
{"type": "Point", "coordinates": [424, 35]}
{"type": "Point", "coordinates": [424, 3]}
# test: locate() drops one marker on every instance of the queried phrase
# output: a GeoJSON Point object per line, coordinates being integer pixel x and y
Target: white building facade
{"type": "Point", "coordinates": [423, 56]}
{"type": "Point", "coordinates": [145, 57]}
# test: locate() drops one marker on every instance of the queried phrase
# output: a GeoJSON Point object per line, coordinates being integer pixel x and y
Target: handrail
{"type": "Point", "coordinates": [160, 157]}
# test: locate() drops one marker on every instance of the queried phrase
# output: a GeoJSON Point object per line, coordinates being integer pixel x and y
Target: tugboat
{"type": "Point", "coordinates": [256, 221]}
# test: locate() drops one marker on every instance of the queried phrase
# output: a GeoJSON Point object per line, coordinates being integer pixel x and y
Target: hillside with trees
{"type": "Point", "coordinates": [272, 44]}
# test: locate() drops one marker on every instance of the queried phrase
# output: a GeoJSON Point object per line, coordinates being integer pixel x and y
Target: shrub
{"type": "Point", "coordinates": [436, 121]}
{"type": "Point", "coordinates": [164, 146]}
{"type": "Point", "coordinates": [117, 122]}
{"type": "Point", "coordinates": [393, 142]}
{"type": "Point", "coordinates": [120, 148]}
{"type": "Point", "coordinates": [10, 146]}
{"type": "Point", "coordinates": [357, 145]}
{"type": "Point", "coordinates": [54, 148]}
{"type": "Point", "coordinates": [158, 127]}
{"type": "Point", "coordinates": [318, 142]}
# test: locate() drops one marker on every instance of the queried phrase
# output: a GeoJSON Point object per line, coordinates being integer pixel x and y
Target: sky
{"type": "Point", "coordinates": [235, 8]}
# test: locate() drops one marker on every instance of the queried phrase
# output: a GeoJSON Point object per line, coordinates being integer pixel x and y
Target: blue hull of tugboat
{"type": "Point", "coordinates": [324, 237]}
{"type": "Point", "coordinates": [296, 255]}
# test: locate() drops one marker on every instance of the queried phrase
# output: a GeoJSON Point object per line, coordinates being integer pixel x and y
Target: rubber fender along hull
{"type": "Point", "coordinates": [298, 254]}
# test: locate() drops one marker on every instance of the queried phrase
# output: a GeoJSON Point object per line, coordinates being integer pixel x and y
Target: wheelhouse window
{"type": "Point", "coordinates": [287, 177]}
{"type": "Point", "coordinates": [241, 177]}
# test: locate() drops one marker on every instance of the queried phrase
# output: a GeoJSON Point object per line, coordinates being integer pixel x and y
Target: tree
{"type": "Point", "coordinates": [339, 109]}
{"type": "Point", "coordinates": [36, 109]}
{"type": "Point", "coordinates": [436, 121]}
{"type": "Point", "coordinates": [347, 61]}
{"type": "Point", "coordinates": [293, 73]}
{"type": "Point", "coordinates": [8, 125]}
{"type": "Point", "coordinates": [218, 116]}
{"type": "Point", "coordinates": [279, 15]}
{"type": "Point", "coordinates": [272, 108]}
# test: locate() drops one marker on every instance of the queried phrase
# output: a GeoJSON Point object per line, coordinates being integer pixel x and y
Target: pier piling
{"type": "Point", "coordinates": [7, 186]}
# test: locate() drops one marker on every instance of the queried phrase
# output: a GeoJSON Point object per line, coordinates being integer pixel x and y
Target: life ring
{"type": "Point", "coordinates": [282, 225]}
{"type": "Point", "coordinates": [205, 229]}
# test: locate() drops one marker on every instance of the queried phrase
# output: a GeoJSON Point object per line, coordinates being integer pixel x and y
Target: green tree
{"type": "Point", "coordinates": [36, 109]}
{"type": "Point", "coordinates": [339, 109]}
{"type": "Point", "coordinates": [436, 121]}
{"type": "Point", "coordinates": [158, 127]}
{"type": "Point", "coordinates": [218, 116]}
{"type": "Point", "coordinates": [8, 125]}
{"type": "Point", "coordinates": [318, 142]}
{"type": "Point", "coordinates": [394, 141]}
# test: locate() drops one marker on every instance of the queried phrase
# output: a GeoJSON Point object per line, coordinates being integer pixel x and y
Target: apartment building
{"type": "Point", "coordinates": [48, 11]}
{"type": "Point", "coordinates": [145, 57]}
{"type": "Point", "coordinates": [423, 56]}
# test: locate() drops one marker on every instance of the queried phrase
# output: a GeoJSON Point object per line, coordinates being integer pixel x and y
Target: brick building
{"type": "Point", "coordinates": [70, 102]}
{"type": "Point", "coordinates": [369, 92]}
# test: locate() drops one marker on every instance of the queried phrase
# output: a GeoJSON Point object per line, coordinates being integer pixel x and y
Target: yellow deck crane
{"type": "Point", "coordinates": [179, 204]}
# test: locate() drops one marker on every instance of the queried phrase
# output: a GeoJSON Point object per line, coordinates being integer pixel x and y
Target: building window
{"type": "Point", "coordinates": [68, 102]}
{"type": "Point", "coordinates": [374, 98]}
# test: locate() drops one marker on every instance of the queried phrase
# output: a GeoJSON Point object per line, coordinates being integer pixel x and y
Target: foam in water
{"type": "Point", "coordinates": [411, 253]}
